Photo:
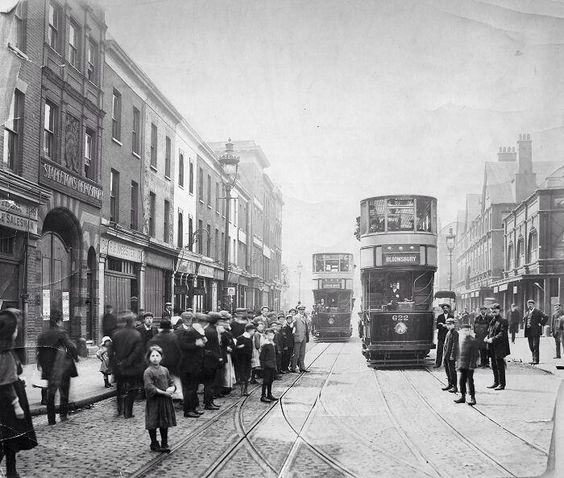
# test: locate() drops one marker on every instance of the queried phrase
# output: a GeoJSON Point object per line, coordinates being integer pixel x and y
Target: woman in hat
{"type": "Point", "coordinates": [16, 428]}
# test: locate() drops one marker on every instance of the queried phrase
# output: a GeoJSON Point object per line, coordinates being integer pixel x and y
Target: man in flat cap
{"type": "Point", "coordinates": [442, 332]}
{"type": "Point", "coordinates": [498, 346]}
{"type": "Point", "coordinates": [167, 311]}
{"type": "Point", "coordinates": [147, 329]}
{"type": "Point", "coordinates": [301, 338]}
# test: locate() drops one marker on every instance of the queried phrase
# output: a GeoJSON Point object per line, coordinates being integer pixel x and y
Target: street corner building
{"type": "Point", "coordinates": [108, 196]}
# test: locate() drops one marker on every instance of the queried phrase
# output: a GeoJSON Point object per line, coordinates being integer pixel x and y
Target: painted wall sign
{"type": "Point", "coordinates": [53, 175]}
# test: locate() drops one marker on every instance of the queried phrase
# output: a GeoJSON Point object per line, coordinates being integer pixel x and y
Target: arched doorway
{"type": "Point", "coordinates": [59, 246]}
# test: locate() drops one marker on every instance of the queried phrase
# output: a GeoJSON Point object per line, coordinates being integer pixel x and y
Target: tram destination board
{"type": "Point", "coordinates": [401, 259]}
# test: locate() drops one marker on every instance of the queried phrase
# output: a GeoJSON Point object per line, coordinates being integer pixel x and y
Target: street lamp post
{"type": "Point", "coordinates": [230, 164]}
{"type": "Point", "coordinates": [300, 269]}
{"type": "Point", "coordinates": [450, 238]}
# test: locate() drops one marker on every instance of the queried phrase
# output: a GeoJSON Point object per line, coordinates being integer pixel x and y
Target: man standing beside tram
{"type": "Point", "coordinates": [442, 330]}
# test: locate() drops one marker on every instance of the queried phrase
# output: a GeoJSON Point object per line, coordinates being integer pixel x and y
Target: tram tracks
{"type": "Point", "coordinates": [246, 440]}
{"type": "Point", "coordinates": [237, 405]}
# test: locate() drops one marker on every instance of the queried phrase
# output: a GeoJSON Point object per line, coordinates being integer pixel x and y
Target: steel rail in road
{"type": "Point", "coordinates": [160, 458]}
{"type": "Point", "coordinates": [408, 441]}
{"type": "Point", "coordinates": [300, 439]}
{"type": "Point", "coordinates": [465, 439]}
{"type": "Point", "coordinates": [245, 432]}
{"type": "Point", "coordinates": [477, 409]}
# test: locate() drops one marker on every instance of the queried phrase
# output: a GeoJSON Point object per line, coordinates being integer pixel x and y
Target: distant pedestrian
{"type": "Point", "coordinates": [258, 340]}
{"type": "Point", "coordinates": [498, 346]}
{"type": "Point", "coordinates": [481, 323]}
{"type": "Point", "coordinates": [109, 321]}
{"type": "Point", "coordinates": [301, 338]}
{"type": "Point", "coordinates": [244, 351]}
{"type": "Point", "coordinates": [16, 427]}
{"type": "Point", "coordinates": [450, 354]}
{"type": "Point", "coordinates": [104, 357]}
{"type": "Point", "coordinates": [466, 363]}
{"type": "Point", "coordinates": [514, 321]}
{"type": "Point", "coordinates": [127, 358]}
{"type": "Point", "coordinates": [557, 327]}
{"type": "Point", "coordinates": [287, 342]}
{"type": "Point", "coordinates": [191, 340]}
{"type": "Point", "coordinates": [268, 365]}
{"type": "Point", "coordinates": [159, 409]}
{"type": "Point", "coordinates": [147, 329]}
{"type": "Point", "coordinates": [442, 332]}
{"type": "Point", "coordinates": [56, 356]}
{"type": "Point", "coordinates": [167, 311]}
{"type": "Point", "coordinates": [534, 320]}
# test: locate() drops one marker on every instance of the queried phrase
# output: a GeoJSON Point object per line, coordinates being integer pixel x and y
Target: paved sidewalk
{"type": "Point", "coordinates": [520, 352]}
{"type": "Point", "coordinates": [85, 389]}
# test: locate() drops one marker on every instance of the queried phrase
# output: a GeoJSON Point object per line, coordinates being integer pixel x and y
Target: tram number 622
{"type": "Point", "coordinates": [402, 317]}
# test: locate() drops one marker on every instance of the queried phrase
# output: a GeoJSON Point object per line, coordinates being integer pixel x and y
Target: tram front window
{"type": "Point", "coordinates": [398, 290]}
{"type": "Point", "coordinates": [333, 300]}
{"type": "Point", "coordinates": [424, 216]}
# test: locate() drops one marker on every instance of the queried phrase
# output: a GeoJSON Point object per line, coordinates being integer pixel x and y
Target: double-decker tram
{"type": "Point", "coordinates": [398, 260]}
{"type": "Point", "coordinates": [332, 295]}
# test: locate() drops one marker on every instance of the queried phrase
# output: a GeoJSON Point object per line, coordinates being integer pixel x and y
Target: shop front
{"type": "Point", "coordinates": [158, 282]}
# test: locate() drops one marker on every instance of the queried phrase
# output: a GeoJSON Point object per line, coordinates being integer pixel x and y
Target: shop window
{"type": "Point", "coordinates": [7, 240]}
{"type": "Point", "coordinates": [115, 265]}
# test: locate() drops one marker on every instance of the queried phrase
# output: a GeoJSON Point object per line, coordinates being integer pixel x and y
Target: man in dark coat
{"type": "Point", "coordinates": [109, 321]}
{"type": "Point", "coordinates": [168, 341]}
{"type": "Point", "coordinates": [514, 321]}
{"type": "Point", "coordinates": [212, 357]}
{"type": "Point", "coordinates": [238, 325]}
{"type": "Point", "coordinates": [481, 323]}
{"type": "Point", "coordinates": [191, 341]}
{"type": "Point", "coordinates": [56, 357]}
{"type": "Point", "coordinates": [147, 329]}
{"type": "Point", "coordinates": [287, 342]}
{"type": "Point", "coordinates": [557, 327]}
{"type": "Point", "coordinates": [534, 320]}
{"type": "Point", "coordinates": [127, 356]}
{"type": "Point", "coordinates": [498, 346]}
{"type": "Point", "coordinates": [450, 355]}
{"type": "Point", "coordinates": [441, 332]}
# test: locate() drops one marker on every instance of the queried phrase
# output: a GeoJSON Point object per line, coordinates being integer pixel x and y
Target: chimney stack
{"type": "Point", "coordinates": [525, 179]}
{"type": "Point", "coordinates": [506, 154]}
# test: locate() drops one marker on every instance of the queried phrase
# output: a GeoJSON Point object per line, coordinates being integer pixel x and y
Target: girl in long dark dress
{"type": "Point", "coordinates": [16, 431]}
{"type": "Point", "coordinates": [159, 409]}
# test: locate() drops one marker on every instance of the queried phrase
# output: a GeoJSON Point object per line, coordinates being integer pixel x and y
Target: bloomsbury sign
{"type": "Point", "coordinates": [399, 259]}
{"type": "Point", "coordinates": [51, 174]}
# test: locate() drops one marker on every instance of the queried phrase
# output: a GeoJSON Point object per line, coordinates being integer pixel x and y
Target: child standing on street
{"type": "Point", "coordinates": [244, 353]}
{"type": "Point", "coordinates": [103, 356]}
{"type": "Point", "coordinates": [467, 363]}
{"type": "Point", "coordinates": [159, 410]}
{"type": "Point", "coordinates": [450, 353]}
{"type": "Point", "coordinates": [268, 364]}
{"type": "Point", "coordinates": [258, 340]}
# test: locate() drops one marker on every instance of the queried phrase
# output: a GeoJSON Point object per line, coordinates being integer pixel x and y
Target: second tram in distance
{"type": "Point", "coordinates": [332, 295]}
{"type": "Point", "coordinates": [398, 260]}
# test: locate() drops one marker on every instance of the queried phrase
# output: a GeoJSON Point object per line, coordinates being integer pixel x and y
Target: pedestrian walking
{"type": "Point", "coordinates": [103, 355]}
{"type": "Point", "coordinates": [244, 346]}
{"type": "Point", "coordinates": [301, 338]}
{"type": "Point", "coordinates": [481, 323]}
{"type": "Point", "coordinates": [450, 354]}
{"type": "Point", "coordinates": [514, 321]}
{"type": "Point", "coordinates": [442, 332]}
{"type": "Point", "coordinates": [159, 409]}
{"type": "Point", "coordinates": [16, 427]}
{"type": "Point", "coordinates": [56, 356]}
{"type": "Point", "coordinates": [287, 342]}
{"type": "Point", "coordinates": [557, 327]}
{"type": "Point", "coordinates": [498, 346]}
{"type": "Point", "coordinates": [191, 341]}
{"type": "Point", "coordinates": [268, 365]}
{"type": "Point", "coordinates": [127, 359]}
{"type": "Point", "coordinates": [109, 321]}
{"type": "Point", "coordinates": [534, 320]}
{"type": "Point", "coordinates": [466, 363]}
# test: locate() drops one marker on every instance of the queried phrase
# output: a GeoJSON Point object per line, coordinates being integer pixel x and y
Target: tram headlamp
{"type": "Point", "coordinates": [331, 320]}
{"type": "Point", "coordinates": [400, 328]}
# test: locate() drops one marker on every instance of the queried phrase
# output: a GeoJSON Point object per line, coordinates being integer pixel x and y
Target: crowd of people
{"type": "Point", "coordinates": [483, 341]}
{"type": "Point", "coordinates": [189, 350]}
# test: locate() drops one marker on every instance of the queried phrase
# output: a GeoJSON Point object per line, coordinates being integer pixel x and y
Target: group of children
{"type": "Point", "coordinates": [460, 353]}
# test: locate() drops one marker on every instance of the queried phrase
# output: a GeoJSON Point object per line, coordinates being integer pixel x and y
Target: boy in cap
{"type": "Point", "coordinates": [268, 365]}
{"type": "Point", "coordinates": [467, 359]}
{"type": "Point", "coordinates": [450, 354]}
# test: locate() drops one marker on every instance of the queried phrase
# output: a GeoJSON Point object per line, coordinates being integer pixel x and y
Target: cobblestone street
{"type": "Point", "coordinates": [341, 419]}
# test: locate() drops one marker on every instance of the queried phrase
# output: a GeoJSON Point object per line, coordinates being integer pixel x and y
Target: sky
{"type": "Point", "coordinates": [356, 98]}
